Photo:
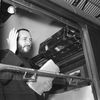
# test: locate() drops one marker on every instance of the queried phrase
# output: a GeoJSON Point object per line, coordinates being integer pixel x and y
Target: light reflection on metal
{"type": "Point", "coordinates": [11, 9]}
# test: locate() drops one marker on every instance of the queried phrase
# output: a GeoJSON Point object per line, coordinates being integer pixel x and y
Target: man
{"type": "Point", "coordinates": [20, 46]}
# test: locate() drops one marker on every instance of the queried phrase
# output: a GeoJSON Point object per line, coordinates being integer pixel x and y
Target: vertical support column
{"type": "Point", "coordinates": [90, 62]}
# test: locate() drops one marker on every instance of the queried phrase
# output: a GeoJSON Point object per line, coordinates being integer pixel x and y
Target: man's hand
{"type": "Point", "coordinates": [41, 85]}
{"type": "Point", "coordinates": [12, 40]}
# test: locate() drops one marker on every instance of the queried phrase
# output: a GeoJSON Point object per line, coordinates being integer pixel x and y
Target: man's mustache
{"type": "Point", "coordinates": [27, 46]}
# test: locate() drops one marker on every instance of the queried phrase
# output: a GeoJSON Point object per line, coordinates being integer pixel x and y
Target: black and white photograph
{"type": "Point", "coordinates": [49, 49]}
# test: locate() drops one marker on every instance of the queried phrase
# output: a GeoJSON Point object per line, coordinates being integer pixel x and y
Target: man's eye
{"type": "Point", "coordinates": [27, 39]}
{"type": "Point", "coordinates": [24, 38]}
{"type": "Point", "coordinates": [30, 40]}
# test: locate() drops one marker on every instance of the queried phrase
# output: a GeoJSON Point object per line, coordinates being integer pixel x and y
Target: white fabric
{"type": "Point", "coordinates": [44, 83]}
{"type": "Point", "coordinates": [84, 93]}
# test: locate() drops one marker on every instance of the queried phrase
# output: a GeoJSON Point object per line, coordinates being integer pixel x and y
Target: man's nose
{"type": "Point", "coordinates": [28, 42]}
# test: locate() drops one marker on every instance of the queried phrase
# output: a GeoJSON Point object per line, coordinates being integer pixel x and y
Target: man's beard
{"type": "Point", "coordinates": [25, 51]}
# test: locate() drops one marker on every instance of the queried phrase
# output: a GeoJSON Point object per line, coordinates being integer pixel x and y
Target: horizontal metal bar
{"type": "Point", "coordinates": [4, 67]}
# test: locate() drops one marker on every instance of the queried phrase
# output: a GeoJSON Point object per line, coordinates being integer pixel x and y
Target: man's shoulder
{"type": "Point", "coordinates": [8, 57]}
{"type": "Point", "coordinates": [3, 52]}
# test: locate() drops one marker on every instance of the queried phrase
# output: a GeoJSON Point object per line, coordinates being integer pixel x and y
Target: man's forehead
{"type": "Point", "coordinates": [24, 33]}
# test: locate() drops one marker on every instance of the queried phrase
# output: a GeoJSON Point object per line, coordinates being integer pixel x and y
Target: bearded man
{"type": "Point", "coordinates": [18, 54]}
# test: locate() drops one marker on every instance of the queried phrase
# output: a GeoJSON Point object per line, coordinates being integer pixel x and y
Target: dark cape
{"type": "Point", "coordinates": [10, 88]}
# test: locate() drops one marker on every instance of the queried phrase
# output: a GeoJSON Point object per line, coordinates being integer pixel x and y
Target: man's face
{"type": "Point", "coordinates": [24, 41]}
